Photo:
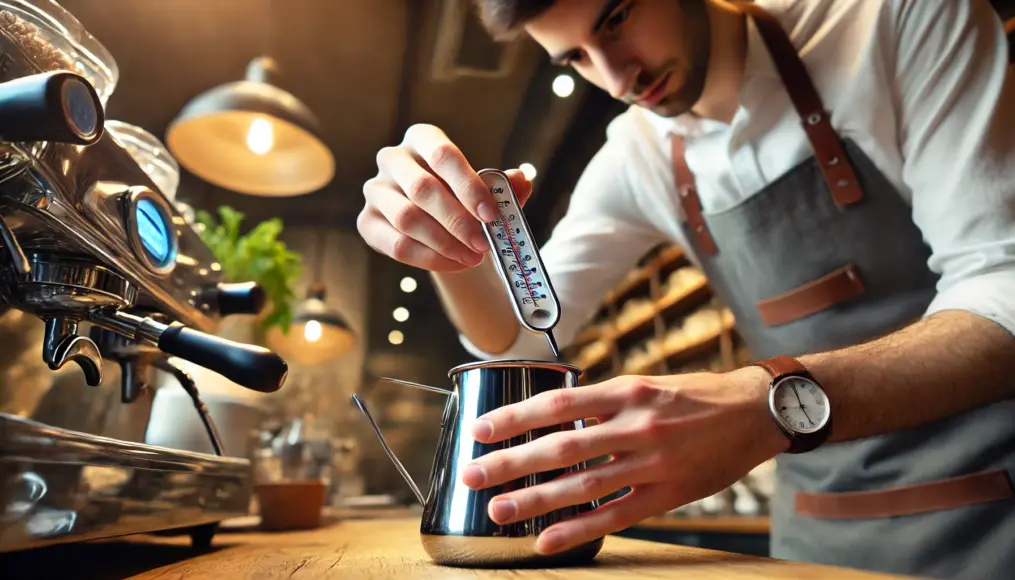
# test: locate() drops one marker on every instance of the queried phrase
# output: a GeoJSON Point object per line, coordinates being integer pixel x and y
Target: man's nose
{"type": "Point", "coordinates": [619, 75]}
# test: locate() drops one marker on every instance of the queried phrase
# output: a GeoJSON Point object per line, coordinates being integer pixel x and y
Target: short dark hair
{"type": "Point", "coordinates": [503, 19]}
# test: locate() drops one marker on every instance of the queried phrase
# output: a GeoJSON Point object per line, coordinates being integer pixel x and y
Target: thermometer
{"type": "Point", "coordinates": [518, 262]}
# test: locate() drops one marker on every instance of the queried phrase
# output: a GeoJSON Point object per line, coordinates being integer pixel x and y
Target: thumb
{"type": "Point", "coordinates": [521, 185]}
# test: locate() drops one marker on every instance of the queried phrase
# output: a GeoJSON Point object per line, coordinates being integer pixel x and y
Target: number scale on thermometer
{"type": "Point", "coordinates": [518, 261]}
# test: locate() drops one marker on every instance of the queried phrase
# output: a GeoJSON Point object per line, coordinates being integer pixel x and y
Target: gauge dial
{"type": "Point", "coordinates": [518, 258]}
{"type": "Point", "coordinates": [150, 228]}
{"type": "Point", "coordinates": [800, 404]}
{"type": "Point", "coordinates": [153, 229]}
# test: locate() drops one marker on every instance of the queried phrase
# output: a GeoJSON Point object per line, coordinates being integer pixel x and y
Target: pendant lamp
{"type": "Point", "coordinates": [252, 137]}
{"type": "Point", "coordinates": [318, 333]}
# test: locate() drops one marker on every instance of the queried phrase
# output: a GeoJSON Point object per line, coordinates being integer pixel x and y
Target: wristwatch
{"type": "Point", "coordinates": [798, 404]}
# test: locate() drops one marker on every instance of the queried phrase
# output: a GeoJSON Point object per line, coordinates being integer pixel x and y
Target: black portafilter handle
{"type": "Point", "coordinates": [59, 106]}
{"type": "Point", "coordinates": [240, 298]}
{"type": "Point", "coordinates": [247, 365]}
{"type": "Point", "coordinates": [250, 366]}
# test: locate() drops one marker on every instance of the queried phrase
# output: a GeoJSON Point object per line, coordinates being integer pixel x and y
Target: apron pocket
{"type": "Point", "coordinates": [937, 495]}
{"type": "Point", "coordinates": [830, 290]}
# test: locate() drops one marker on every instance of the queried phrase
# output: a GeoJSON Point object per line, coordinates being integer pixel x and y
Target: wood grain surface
{"type": "Point", "coordinates": [386, 548]}
{"type": "Point", "coordinates": [723, 524]}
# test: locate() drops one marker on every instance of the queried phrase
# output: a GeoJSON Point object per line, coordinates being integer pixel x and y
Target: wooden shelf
{"type": "Point", "coordinates": [718, 524]}
{"type": "Point", "coordinates": [686, 352]}
{"type": "Point", "coordinates": [643, 274]}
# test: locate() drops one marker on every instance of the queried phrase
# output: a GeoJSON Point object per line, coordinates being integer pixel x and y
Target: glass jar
{"type": "Point", "coordinates": [53, 39]}
{"type": "Point", "coordinates": [150, 153]}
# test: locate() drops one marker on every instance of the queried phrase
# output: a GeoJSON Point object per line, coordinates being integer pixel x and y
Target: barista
{"type": "Point", "coordinates": [844, 173]}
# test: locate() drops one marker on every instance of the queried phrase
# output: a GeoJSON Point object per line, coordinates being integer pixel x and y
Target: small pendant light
{"type": "Point", "coordinates": [252, 137]}
{"type": "Point", "coordinates": [318, 333]}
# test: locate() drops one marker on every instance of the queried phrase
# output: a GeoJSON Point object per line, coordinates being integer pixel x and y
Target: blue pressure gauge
{"type": "Point", "coordinates": [150, 228]}
{"type": "Point", "coordinates": [153, 230]}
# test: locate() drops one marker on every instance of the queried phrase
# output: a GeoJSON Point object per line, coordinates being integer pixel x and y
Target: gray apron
{"type": "Point", "coordinates": [825, 257]}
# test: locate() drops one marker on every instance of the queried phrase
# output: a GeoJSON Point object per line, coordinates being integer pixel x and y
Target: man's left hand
{"type": "Point", "coordinates": [671, 439]}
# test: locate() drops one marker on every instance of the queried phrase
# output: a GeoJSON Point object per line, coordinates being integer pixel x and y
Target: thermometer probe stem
{"type": "Point", "coordinates": [553, 343]}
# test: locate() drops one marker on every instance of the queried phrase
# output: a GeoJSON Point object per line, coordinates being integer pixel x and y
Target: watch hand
{"type": "Point", "coordinates": [797, 395]}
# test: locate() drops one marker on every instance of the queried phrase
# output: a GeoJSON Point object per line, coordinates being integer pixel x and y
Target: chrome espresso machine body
{"type": "Point", "coordinates": [89, 240]}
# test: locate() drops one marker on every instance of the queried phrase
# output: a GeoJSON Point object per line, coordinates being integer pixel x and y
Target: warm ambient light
{"type": "Point", "coordinates": [260, 137]}
{"type": "Point", "coordinates": [528, 170]}
{"type": "Point", "coordinates": [401, 314]}
{"type": "Point", "coordinates": [395, 337]}
{"type": "Point", "coordinates": [563, 86]}
{"type": "Point", "coordinates": [312, 331]}
{"type": "Point", "coordinates": [408, 284]}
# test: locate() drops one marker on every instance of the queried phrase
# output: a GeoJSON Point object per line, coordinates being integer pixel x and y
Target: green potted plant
{"type": "Point", "coordinates": [256, 256]}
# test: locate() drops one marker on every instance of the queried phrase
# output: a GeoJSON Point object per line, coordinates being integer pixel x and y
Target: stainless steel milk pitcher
{"type": "Point", "coordinates": [456, 528]}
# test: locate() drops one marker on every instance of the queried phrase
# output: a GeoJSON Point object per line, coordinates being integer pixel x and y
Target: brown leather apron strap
{"type": "Point", "coordinates": [828, 150]}
{"type": "Point", "coordinates": [1009, 30]}
{"type": "Point", "coordinates": [965, 490]}
{"type": "Point", "coordinates": [689, 199]}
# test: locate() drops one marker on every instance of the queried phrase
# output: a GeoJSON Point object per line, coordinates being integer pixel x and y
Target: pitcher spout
{"type": "Point", "coordinates": [391, 454]}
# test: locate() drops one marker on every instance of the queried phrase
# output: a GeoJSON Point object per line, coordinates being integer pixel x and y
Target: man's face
{"type": "Point", "coordinates": [653, 53]}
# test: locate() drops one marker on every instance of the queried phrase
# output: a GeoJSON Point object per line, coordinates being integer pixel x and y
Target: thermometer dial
{"type": "Point", "coordinates": [517, 259]}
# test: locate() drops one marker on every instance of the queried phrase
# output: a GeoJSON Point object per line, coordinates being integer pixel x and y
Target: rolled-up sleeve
{"type": "Point", "coordinates": [599, 240]}
{"type": "Point", "coordinates": [956, 100]}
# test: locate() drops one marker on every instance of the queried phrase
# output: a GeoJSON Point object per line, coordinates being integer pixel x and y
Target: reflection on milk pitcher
{"type": "Point", "coordinates": [455, 527]}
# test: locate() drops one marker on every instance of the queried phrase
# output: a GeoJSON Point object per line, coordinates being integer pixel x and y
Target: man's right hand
{"type": "Point", "coordinates": [426, 205]}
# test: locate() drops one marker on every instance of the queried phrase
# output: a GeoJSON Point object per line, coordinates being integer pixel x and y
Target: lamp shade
{"type": "Point", "coordinates": [252, 137]}
{"type": "Point", "coordinates": [318, 333]}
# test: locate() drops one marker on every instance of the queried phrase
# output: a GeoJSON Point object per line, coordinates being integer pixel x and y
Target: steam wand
{"type": "Point", "coordinates": [188, 384]}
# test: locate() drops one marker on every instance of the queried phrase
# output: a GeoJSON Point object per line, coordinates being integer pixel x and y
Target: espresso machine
{"type": "Point", "coordinates": [93, 248]}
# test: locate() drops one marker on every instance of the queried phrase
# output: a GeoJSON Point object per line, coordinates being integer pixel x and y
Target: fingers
{"type": "Point", "coordinates": [411, 220]}
{"type": "Point", "coordinates": [521, 185]}
{"type": "Point", "coordinates": [573, 489]}
{"type": "Point", "coordinates": [547, 408]}
{"type": "Point", "coordinates": [384, 238]}
{"type": "Point", "coordinates": [428, 192]}
{"type": "Point", "coordinates": [446, 161]}
{"type": "Point", "coordinates": [641, 503]}
{"type": "Point", "coordinates": [554, 451]}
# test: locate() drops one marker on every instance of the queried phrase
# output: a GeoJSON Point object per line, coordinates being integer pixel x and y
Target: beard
{"type": "Point", "coordinates": [696, 31]}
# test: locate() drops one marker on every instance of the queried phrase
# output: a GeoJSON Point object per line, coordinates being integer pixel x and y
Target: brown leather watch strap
{"type": "Point", "coordinates": [828, 150]}
{"type": "Point", "coordinates": [689, 199]}
{"type": "Point", "coordinates": [782, 365]}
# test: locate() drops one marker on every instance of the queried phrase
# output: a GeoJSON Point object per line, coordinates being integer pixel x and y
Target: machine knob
{"type": "Point", "coordinates": [59, 106]}
{"type": "Point", "coordinates": [250, 366]}
{"type": "Point", "coordinates": [242, 298]}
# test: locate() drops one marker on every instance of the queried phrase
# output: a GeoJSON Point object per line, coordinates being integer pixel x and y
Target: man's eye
{"type": "Point", "coordinates": [619, 17]}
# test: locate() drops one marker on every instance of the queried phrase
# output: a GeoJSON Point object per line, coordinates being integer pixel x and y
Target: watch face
{"type": "Point", "coordinates": [800, 404]}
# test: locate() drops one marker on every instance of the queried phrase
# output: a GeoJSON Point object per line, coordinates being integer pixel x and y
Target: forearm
{"type": "Point", "coordinates": [942, 365]}
{"type": "Point", "coordinates": [476, 303]}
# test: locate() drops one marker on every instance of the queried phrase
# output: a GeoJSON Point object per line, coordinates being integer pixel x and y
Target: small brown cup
{"type": "Point", "coordinates": [291, 504]}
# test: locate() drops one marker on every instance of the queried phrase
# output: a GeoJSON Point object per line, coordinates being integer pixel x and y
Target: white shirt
{"type": "Point", "coordinates": [922, 86]}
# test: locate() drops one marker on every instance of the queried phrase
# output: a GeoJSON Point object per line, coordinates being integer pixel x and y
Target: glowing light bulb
{"type": "Point", "coordinates": [312, 331]}
{"type": "Point", "coordinates": [401, 314]}
{"type": "Point", "coordinates": [408, 284]}
{"type": "Point", "coordinates": [528, 170]}
{"type": "Point", "coordinates": [563, 86]}
{"type": "Point", "coordinates": [395, 337]}
{"type": "Point", "coordinates": [260, 138]}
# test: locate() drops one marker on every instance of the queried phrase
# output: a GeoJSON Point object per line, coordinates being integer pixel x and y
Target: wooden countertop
{"type": "Point", "coordinates": [720, 524]}
{"type": "Point", "coordinates": [382, 548]}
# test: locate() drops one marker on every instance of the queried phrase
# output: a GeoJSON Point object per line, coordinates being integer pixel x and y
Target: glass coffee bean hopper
{"type": "Point", "coordinates": [154, 158]}
{"type": "Point", "coordinates": [50, 38]}
{"type": "Point", "coordinates": [150, 154]}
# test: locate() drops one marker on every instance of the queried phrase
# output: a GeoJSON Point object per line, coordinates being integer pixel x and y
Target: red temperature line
{"type": "Point", "coordinates": [518, 257]}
